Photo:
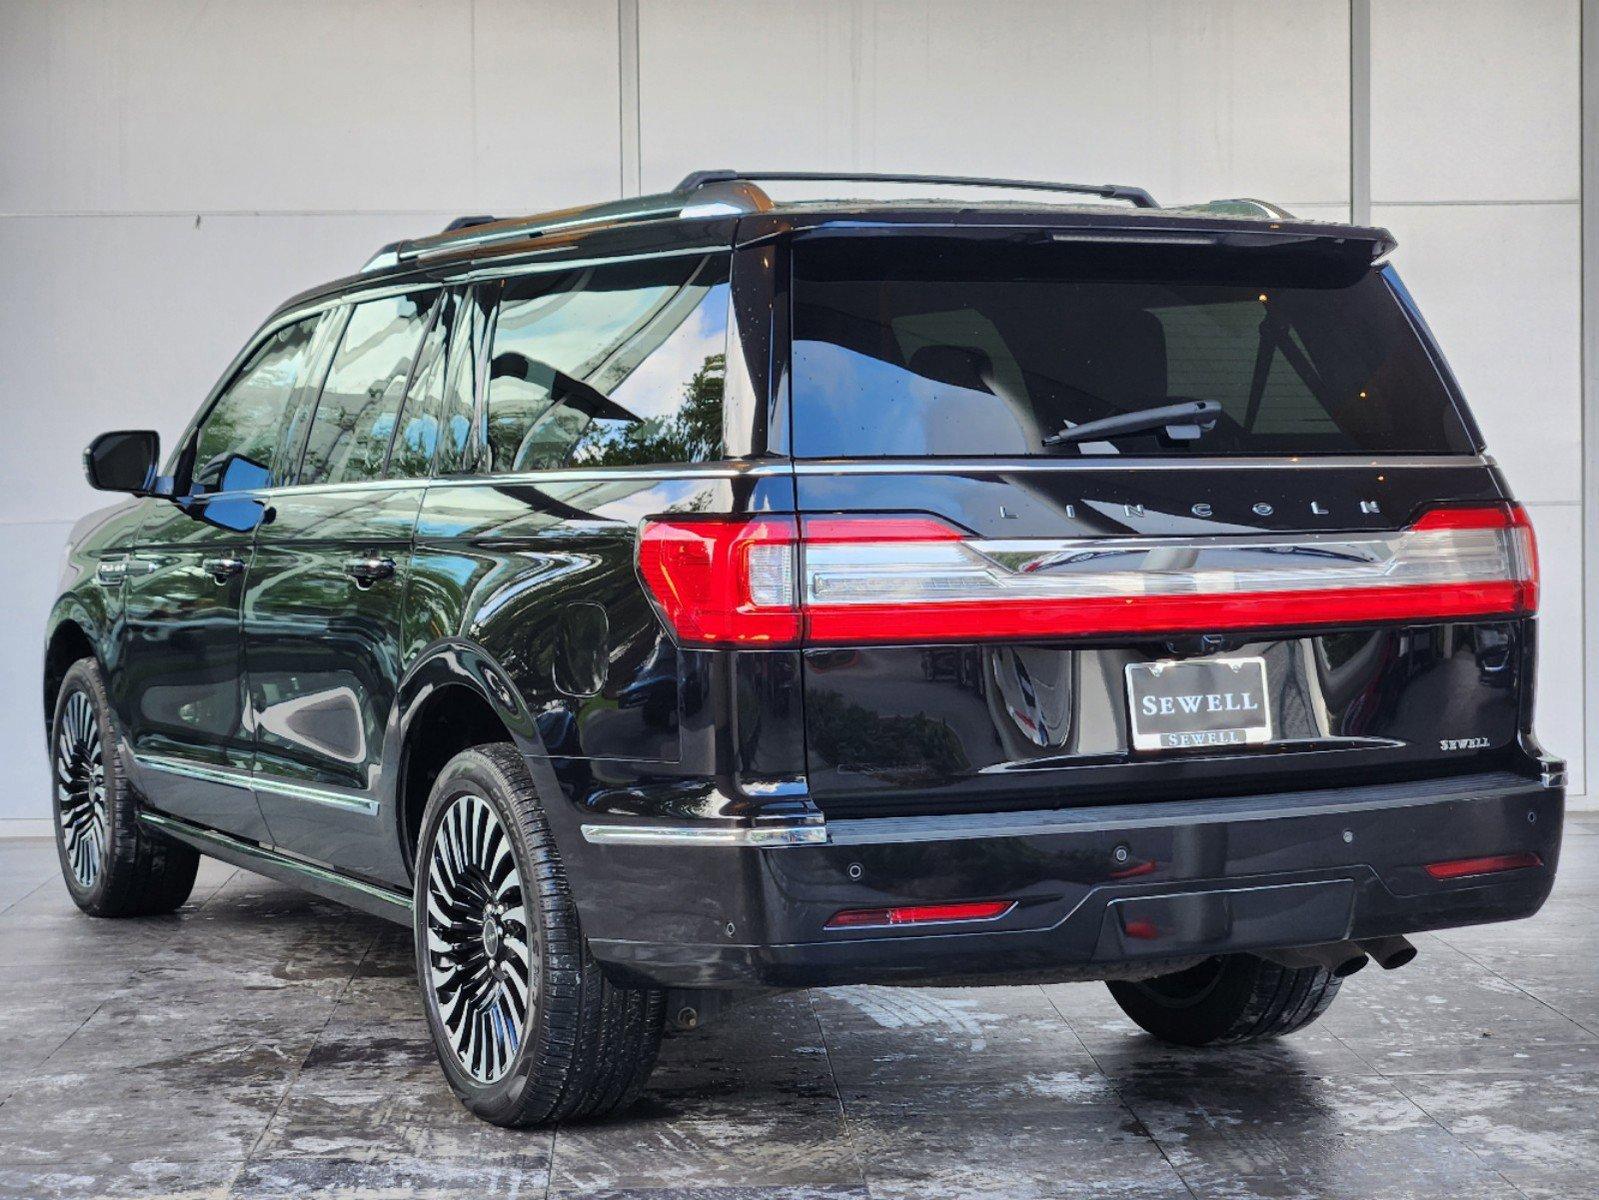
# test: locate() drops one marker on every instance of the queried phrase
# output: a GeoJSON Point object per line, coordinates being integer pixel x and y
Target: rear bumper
{"type": "Point", "coordinates": [1096, 889]}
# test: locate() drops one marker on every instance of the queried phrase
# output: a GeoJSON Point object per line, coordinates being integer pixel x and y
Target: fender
{"type": "Point", "coordinates": [88, 609]}
{"type": "Point", "coordinates": [454, 662]}
{"type": "Point", "coordinates": [89, 598]}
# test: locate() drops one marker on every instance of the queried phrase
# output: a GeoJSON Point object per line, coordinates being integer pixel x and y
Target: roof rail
{"type": "Point", "coordinates": [471, 232]}
{"type": "Point", "coordinates": [701, 194]}
{"type": "Point", "coordinates": [1110, 191]}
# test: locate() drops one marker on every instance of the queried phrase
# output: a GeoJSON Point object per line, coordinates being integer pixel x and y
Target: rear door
{"type": "Point", "coordinates": [325, 602]}
{"type": "Point", "coordinates": [1246, 602]}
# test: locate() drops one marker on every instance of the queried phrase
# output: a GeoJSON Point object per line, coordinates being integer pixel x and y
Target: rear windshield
{"type": "Point", "coordinates": [911, 345]}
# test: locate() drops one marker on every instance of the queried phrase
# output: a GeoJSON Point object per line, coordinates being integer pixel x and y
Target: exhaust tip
{"type": "Point", "coordinates": [1398, 958]}
{"type": "Point", "coordinates": [1390, 952]}
{"type": "Point", "coordinates": [1344, 968]}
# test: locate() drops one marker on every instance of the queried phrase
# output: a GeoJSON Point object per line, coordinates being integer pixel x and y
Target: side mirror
{"type": "Point", "coordinates": [124, 461]}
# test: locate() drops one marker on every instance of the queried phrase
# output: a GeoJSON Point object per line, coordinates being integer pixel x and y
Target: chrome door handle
{"type": "Point", "coordinates": [368, 569]}
{"type": "Point", "coordinates": [223, 568]}
{"type": "Point", "coordinates": [112, 572]}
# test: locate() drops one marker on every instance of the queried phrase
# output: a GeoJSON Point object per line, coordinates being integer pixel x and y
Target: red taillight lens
{"type": "Point", "coordinates": [723, 582]}
{"type": "Point", "coordinates": [1490, 864]}
{"type": "Point", "coordinates": [853, 580]}
{"type": "Point", "coordinates": [920, 914]}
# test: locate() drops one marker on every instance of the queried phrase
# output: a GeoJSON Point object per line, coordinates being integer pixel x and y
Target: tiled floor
{"type": "Point", "coordinates": [264, 1043]}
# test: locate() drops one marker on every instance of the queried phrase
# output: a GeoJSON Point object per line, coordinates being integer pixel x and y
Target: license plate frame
{"type": "Point", "coordinates": [1214, 702]}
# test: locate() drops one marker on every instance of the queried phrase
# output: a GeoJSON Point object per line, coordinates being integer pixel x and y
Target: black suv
{"type": "Point", "coordinates": [702, 594]}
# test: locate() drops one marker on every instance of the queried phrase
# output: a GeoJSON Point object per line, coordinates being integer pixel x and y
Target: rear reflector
{"type": "Point", "coordinates": [852, 580]}
{"type": "Point", "coordinates": [1459, 868]}
{"type": "Point", "coordinates": [920, 914]}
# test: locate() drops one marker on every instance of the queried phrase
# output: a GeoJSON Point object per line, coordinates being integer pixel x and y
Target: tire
{"type": "Point", "coordinates": [1226, 1000]}
{"type": "Point", "coordinates": [579, 1046]}
{"type": "Point", "coordinates": [113, 867]}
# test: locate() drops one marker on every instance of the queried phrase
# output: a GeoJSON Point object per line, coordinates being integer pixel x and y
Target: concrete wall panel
{"type": "Point", "coordinates": [1190, 100]}
{"type": "Point", "coordinates": [1474, 100]}
{"type": "Point", "coordinates": [1501, 287]}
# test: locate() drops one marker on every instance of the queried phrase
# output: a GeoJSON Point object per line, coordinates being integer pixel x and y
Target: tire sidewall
{"type": "Point", "coordinates": [473, 772]}
{"type": "Point", "coordinates": [84, 676]}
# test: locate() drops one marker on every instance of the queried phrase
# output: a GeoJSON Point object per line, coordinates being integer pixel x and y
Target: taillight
{"type": "Point", "coordinates": [851, 580]}
{"type": "Point", "coordinates": [723, 582]}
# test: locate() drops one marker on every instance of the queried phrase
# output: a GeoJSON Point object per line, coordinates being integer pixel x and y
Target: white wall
{"type": "Point", "coordinates": [1476, 166]}
{"type": "Point", "coordinates": [169, 170]}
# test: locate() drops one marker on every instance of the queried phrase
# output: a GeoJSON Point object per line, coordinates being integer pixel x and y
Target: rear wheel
{"type": "Point", "coordinates": [1228, 999]}
{"type": "Point", "coordinates": [113, 867]}
{"type": "Point", "coordinates": [526, 1027]}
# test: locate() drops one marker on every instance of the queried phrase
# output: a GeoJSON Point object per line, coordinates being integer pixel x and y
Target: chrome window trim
{"type": "Point", "coordinates": [278, 786]}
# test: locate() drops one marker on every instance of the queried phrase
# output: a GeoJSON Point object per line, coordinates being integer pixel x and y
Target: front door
{"type": "Point", "coordinates": [322, 612]}
{"type": "Point", "coordinates": [181, 688]}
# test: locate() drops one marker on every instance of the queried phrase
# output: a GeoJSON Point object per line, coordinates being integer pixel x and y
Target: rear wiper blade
{"type": "Point", "coordinates": [1184, 422]}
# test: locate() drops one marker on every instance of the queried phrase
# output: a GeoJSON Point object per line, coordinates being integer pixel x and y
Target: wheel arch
{"type": "Point", "coordinates": [68, 642]}
{"type": "Point", "coordinates": [453, 697]}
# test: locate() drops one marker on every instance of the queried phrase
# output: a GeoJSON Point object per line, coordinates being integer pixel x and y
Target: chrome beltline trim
{"type": "Point", "coordinates": [258, 780]}
{"type": "Point", "coordinates": [684, 472]}
{"type": "Point", "coordinates": [238, 847]}
{"type": "Point", "coordinates": [966, 466]}
{"type": "Point", "coordinates": [863, 466]}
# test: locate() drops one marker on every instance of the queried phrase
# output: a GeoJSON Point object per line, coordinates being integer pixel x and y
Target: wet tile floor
{"type": "Point", "coordinates": [265, 1043]}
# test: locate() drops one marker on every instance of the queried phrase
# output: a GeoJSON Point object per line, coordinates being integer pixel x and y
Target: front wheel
{"type": "Point", "coordinates": [112, 866]}
{"type": "Point", "coordinates": [1228, 999]}
{"type": "Point", "coordinates": [527, 1028]}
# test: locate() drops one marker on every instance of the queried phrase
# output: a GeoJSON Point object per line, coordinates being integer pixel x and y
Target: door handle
{"type": "Point", "coordinates": [223, 568]}
{"type": "Point", "coordinates": [368, 569]}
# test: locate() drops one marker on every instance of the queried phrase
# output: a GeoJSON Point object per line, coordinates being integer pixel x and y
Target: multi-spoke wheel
{"type": "Point", "coordinates": [112, 866]}
{"type": "Point", "coordinates": [479, 964]}
{"type": "Point", "coordinates": [80, 788]}
{"type": "Point", "coordinates": [526, 1026]}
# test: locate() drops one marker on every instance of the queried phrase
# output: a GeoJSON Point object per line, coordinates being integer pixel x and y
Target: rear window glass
{"type": "Point", "coordinates": [909, 346]}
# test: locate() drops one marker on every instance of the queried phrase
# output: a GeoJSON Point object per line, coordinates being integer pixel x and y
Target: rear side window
{"type": "Point", "coordinates": [940, 346]}
{"type": "Point", "coordinates": [247, 419]}
{"type": "Point", "coordinates": [416, 430]}
{"type": "Point", "coordinates": [360, 400]}
{"type": "Point", "coordinates": [609, 365]}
